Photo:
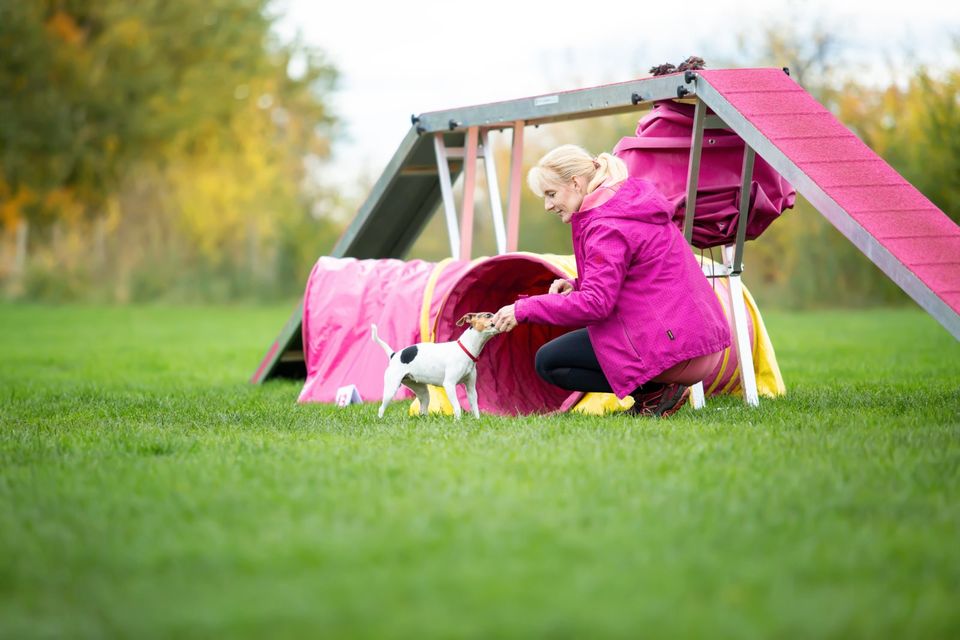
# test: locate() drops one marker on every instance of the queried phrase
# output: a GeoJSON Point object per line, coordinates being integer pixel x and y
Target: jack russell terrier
{"type": "Point", "coordinates": [443, 364]}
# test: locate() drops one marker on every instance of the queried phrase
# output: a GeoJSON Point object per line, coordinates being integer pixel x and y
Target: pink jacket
{"type": "Point", "coordinates": [640, 292]}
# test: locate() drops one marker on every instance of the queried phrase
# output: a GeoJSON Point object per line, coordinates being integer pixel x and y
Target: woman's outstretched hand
{"type": "Point", "coordinates": [561, 286]}
{"type": "Point", "coordinates": [505, 319]}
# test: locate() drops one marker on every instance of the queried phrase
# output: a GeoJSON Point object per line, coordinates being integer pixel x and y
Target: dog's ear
{"type": "Point", "coordinates": [465, 319]}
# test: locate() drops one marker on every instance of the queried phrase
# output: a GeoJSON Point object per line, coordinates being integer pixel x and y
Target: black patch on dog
{"type": "Point", "coordinates": [408, 354]}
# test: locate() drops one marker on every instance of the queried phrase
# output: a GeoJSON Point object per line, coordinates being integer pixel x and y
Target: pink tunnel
{"type": "Point", "coordinates": [345, 296]}
{"type": "Point", "coordinates": [507, 382]}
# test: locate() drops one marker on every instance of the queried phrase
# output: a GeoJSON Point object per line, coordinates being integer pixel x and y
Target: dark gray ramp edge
{"type": "Point", "coordinates": [388, 223]}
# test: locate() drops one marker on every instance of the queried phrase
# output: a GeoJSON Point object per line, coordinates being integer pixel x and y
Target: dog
{"type": "Point", "coordinates": [443, 364]}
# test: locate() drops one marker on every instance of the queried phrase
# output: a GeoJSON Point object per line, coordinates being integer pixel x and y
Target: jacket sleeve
{"type": "Point", "coordinates": [606, 259]}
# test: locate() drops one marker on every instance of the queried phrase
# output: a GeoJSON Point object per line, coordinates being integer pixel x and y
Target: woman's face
{"type": "Point", "coordinates": [564, 198]}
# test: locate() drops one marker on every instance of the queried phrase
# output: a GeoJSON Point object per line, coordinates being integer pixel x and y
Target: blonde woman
{"type": "Point", "coordinates": [653, 325]}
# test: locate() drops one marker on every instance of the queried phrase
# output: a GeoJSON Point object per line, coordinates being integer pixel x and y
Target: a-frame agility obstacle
{"type": "Point", "coordinates": [914, 243]}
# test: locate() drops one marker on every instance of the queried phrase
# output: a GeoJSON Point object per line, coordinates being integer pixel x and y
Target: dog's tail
{"type": "Point", "coordinates": [376, 338]}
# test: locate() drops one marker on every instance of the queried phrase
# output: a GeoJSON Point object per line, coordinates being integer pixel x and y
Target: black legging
{"type": "Point", "coordinates": [569, 362]}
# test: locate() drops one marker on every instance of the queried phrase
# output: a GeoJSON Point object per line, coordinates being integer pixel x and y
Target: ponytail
{"type": "Point", "coordinates": [567, 161]}
{"type": "Point", "coordinates": [608, 168]}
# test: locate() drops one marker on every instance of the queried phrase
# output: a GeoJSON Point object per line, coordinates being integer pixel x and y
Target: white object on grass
{"type": "Point", "coordinates": [348, 395]}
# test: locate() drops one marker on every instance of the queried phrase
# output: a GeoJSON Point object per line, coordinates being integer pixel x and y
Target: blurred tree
{"type": "Point", "coordinates": [98, 98]}
{"type": "Point", "coordinates": [802, 260]}
{"type": "Point", "coordinates": [914, 128]}
{"type": "Point", "coordinates": [807, 46]}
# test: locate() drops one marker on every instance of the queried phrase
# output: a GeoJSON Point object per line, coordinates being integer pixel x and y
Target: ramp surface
{"type": "Point", "coordinates": [886, 217]}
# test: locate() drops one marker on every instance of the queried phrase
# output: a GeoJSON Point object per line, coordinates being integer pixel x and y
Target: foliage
{"type": "Point", "coordinates": [147, 490]}
{"type": "Point", "coordinates": [171, 149]}
{"type": "Point", "coordinates": [913, 128]}
{"type": "Point", "coordinates": [124, 118]}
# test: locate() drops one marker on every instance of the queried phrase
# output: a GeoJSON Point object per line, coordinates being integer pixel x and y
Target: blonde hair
{"type": "Point", "coordinates": [569, 160]}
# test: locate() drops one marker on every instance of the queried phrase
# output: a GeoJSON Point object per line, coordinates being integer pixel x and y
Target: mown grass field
{"type": "Point", "coordinates": [146, 490]}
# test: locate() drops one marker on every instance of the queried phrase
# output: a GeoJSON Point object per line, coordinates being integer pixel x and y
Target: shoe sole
{"type": "Point", "coordinates": [669, 406]}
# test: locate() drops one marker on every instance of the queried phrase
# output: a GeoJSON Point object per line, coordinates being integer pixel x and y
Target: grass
{"type": "Point", "coordinates": [146, 490]}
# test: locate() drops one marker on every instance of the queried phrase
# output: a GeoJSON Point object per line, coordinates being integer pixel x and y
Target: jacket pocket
{"type": "Point", "coordinates": [628, 339]}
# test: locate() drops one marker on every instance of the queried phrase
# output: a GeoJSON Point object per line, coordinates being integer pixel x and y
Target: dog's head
{"type": "Point", "coordinates": [481, 322]}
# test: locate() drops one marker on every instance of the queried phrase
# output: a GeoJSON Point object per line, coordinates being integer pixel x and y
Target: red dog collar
{"type": "Point", "coordinates": [467, 351]}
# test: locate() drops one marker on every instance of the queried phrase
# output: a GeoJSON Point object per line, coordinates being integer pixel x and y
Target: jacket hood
{"type": "Point", "coordinates": [636, 200]}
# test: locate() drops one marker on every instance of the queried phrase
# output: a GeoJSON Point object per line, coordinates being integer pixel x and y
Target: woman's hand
{"type": "Point", "coordinates": [505, 319]}
{"type": "Point", "coordinates": [561, 286]}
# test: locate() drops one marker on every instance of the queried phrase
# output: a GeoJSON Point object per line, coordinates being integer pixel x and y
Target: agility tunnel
{"type": "Point", "coordinates": [419, 301]}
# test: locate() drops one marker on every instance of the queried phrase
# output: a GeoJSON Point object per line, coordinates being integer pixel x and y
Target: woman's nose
{"type": "Point", "coordinates": [548, 203]}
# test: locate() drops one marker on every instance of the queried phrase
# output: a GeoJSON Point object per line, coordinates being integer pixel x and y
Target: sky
{"type": "Point", "coordinates": [403, 58]}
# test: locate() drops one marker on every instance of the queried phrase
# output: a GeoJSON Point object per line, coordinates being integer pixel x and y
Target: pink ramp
{"type": "Point", "coordinates": [898, 228]}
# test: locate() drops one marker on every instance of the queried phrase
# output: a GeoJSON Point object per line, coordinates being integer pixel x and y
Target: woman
{"type": "Point", "coordinates": [653, 324]}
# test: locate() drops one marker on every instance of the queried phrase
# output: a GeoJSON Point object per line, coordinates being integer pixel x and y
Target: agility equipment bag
{"type": "Point", "coordinates": [660, 153]}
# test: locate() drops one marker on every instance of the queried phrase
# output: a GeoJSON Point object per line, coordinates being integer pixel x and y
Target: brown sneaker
{"type": "Point", "coordinates": [674, 397]}
{"type": "Point", "coordinates": [661, 403]}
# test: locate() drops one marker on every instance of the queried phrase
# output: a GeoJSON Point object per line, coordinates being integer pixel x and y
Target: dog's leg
{"type": "Point", "coordinates": [450, 386]}
{"type": "Point", "coordinates": [423, 395]}
{"type": "Point", "coordinates": [471, 384]}
{"type": "Point", "coordinates": [391, 383]}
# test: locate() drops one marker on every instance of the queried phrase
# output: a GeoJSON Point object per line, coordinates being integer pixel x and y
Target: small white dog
{"type": "Point", "coordinates": [443, 364]}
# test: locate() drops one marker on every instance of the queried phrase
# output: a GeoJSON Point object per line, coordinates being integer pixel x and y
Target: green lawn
{"type": "Point", "coordinates": [146, 490]}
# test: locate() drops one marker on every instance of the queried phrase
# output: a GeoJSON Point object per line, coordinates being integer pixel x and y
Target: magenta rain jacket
{"type": "Point", "coordinates": [640, 291]}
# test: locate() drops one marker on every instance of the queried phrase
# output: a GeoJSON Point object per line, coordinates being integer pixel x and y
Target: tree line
{"type": "Point", "coordinates": [158, 147]}
{"type": "Point", "coordinates": [169, 149]}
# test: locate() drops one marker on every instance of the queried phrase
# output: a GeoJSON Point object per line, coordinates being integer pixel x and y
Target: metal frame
{"type": "Point", "coordinates": [693, 169]}
{"type": "Point", "coordinates": [446, 189]}
{"type": "Point", "coordinates": [748, 378]}
{"type": "Point", "coordinates": [566, 105]}
{"type": "Point", "coordinates": [461, 235]}
{"type": "Point", "coordinates": [516, 184]}
{"type": "Point", "coordinates": [366, 237]}
{"type": "Point", "coordinates": [493, 191]}
{"type": "Point", "coordinates": [382, 230]}
{"type": "Point", "coordinates": [516, 115]}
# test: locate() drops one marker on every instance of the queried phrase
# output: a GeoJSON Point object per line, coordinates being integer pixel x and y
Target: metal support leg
{"type": "Point", "coordinates": [748, 377]}
{"type": "Point", "coordinates": [693, 169]}
{"type": "Point", "coordinates": [446, 191]}
{"type": "Point", "coordinates": [742, 336]}
{"type": "Point", "coordinates": [693, 176]}
{"type": "Point", "coordinates": [516, 178]}
{"type": "Point", "coordinates": [749, 155]}
{"type": "Point", "coordinates": [469, 186]}
{"type": "Point", "coordinates": [493, 190]}
{"type": "Point", "coordinates": [696, 396]}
